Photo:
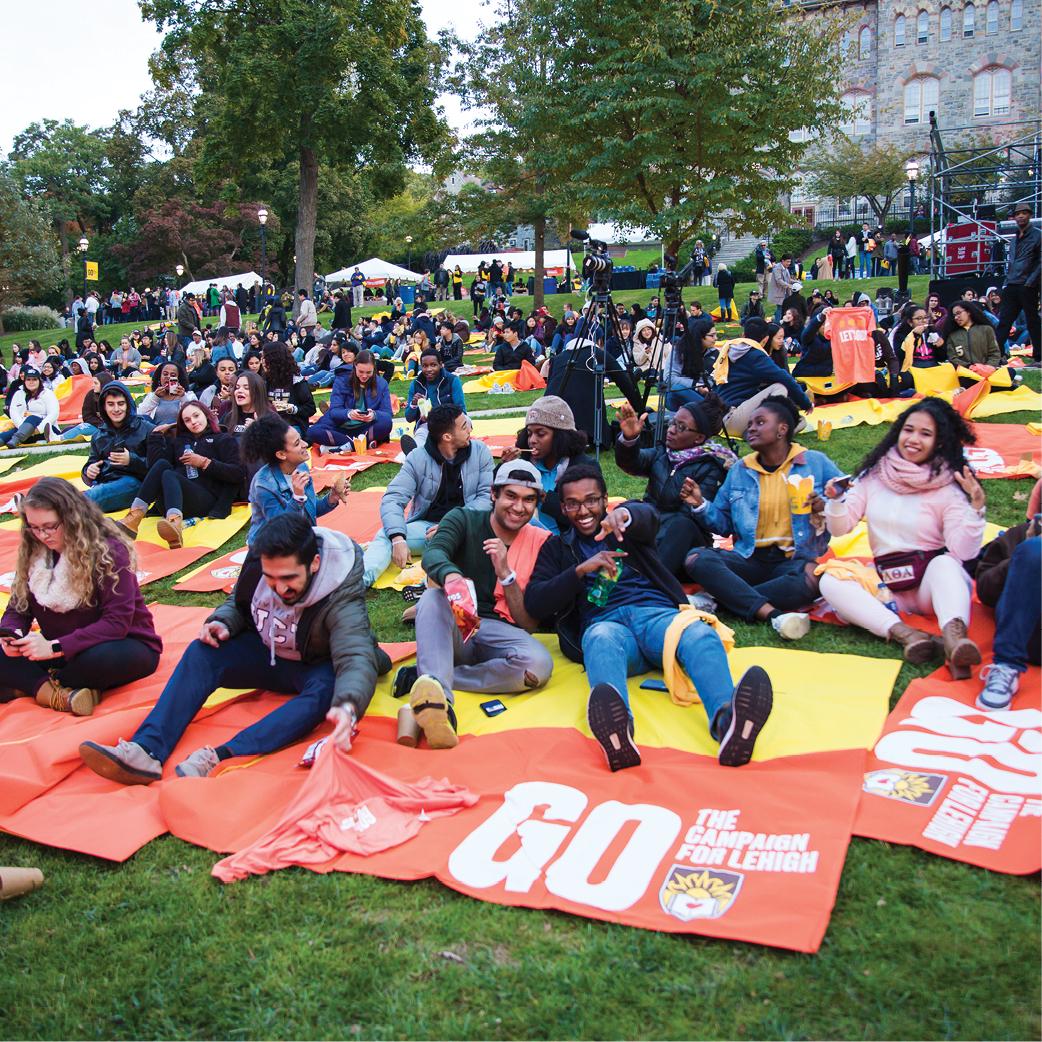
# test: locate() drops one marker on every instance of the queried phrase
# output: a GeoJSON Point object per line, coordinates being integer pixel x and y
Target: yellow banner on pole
{"type": "Point", "coordinates": [92, 271]}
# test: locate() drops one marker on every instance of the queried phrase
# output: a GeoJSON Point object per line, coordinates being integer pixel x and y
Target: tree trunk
{"type": "Point", "coordinates": [307, 216]}
{"type": "Point", "coordinates": [63, 239]}
{"type": "Point", "coordinates": [539, 224]}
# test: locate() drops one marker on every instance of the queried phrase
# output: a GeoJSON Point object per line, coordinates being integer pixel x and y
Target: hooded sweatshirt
{"type": "Point", "coordinates": [276, 621]}
{"type": "Point", "coordinates": [131, 435]}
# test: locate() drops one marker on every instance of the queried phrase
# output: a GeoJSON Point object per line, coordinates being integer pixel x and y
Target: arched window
{"type": "Point", "coordinates": [920, 99]}
{"type": "Point", "coordinates": [1016, 15]}
{"type": "Point", "coordinates": [922, 27]}
{"type": "Point", "coordinates": [864, 43]}
{"type": "Point", "coordinates": [991, 17]}
{"type": "Point", "coordinates": [991, 92]}
{"type": "Point", "coordinates": [899, 31]}
{"type": "Point", "coordinates": [969, 17]}
{"type": "Point", "coordinates": [946, 24]}
{"type": "Point", "coordinates": [857, 109]}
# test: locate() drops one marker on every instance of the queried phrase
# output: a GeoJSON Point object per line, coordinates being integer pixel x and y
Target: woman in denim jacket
{"type": "Point", "coordinates": [771, 503]}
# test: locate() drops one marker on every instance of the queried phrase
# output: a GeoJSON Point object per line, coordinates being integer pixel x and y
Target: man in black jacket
{"type": "Point", "coordinates": [615, 604]}
{"type": "Point", "coordinates": [449, 345]}
{"type": "Point", "coordinates": [341, 311]}
{"type": "Point", "coordinates": [118, 458]}
{"type": "Point", "coordinates": [1020, 291]}
{"type": "Point", "coordinates": [295, 625]}
{"type": "Point", "coordinates": [512, 351]}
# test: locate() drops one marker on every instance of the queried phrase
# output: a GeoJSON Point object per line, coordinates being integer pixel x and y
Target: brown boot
{"type": "Point", "coordinates": [132, 520]}
{"type": "Point", "coordinates": [959, 651]}
{"type": "Point", "coordinates": [919, 647]}
{"type": "Point", "coordinates": [170, 530]}
{"type": "Point", "coordinates": [80, 701]}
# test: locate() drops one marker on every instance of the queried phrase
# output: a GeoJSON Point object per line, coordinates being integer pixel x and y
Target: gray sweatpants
{"type": "Point", "coordinates": [493, 661]}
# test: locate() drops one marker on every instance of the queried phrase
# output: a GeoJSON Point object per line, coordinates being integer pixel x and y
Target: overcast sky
{"type": "Point", "coordinates": [85, 62]}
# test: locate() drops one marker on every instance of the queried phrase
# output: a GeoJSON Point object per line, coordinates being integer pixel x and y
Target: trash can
{"type": "Point", "coordinates": [654, 280]}
{"type": "Point", "coordinates": [549, 285]}
{"type": "Point", "coordinates": [408, 294]}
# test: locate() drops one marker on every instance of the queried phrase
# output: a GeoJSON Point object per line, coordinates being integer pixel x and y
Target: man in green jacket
{"type": "Point", "coordinates": [501, 656]}
{"type": "Point", "coordinates": [295, 625]}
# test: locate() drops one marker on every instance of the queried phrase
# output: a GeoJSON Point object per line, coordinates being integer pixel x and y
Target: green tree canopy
{"type": "Point", "coordinates": [29, 261]}
{"type": "Point", "coordinates": [346, 83]}
{"type": "Point", "coordinates": [842, 169]}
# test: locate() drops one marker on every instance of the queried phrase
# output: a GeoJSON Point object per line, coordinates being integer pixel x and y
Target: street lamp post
{"type": "Point", "coordinates": [408, 243]}
{"type": "Point", "coordinates": [83, 245]}
{"type": "Point", "coordinates": [180, 269]}
{"type": "Point", "coordinates": [262, 216]}
{"type": "Point", "coordinates": [912, 173]}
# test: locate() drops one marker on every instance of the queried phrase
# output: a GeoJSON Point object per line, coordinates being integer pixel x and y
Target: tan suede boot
{"type": "Point", "coordinates": [959, 651]}
{"type": "Point", "coordinates": [919, 647]}
{"type": "Point", "coordinates": [80, 701]}
{"type": "Point", "coordinates": [132, 520]}
{"type": "Point", "coordinates": [17, 881]}
{"type": "Point", "coordinates": [170, 530]}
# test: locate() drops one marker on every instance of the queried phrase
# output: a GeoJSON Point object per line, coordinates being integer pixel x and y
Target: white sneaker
{"type": "Point", "coordinates": [329, 450]}
{"type": "Point", "coordinates": [1000, 685]}
{"type": "Point", "coordinates": [792, 625]}
{"type": "Point", "coordinates": [199, 764]}
{"type": "Point", "coordinates": [703, 602]}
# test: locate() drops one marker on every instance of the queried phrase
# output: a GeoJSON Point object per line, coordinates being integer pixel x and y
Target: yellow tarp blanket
{"type": "Point", "coordinates": [496, 425]}
{"type": "Point", "coordinates": [824, 386]}
{"type": "Point", "coordinates": [821, 702]}
{"type": "Point", "coordinates": [497, 378]}
{"type": "Point", "coordinates": [395, 578]}
{"type": "Point", "coordinates": [8, 462]}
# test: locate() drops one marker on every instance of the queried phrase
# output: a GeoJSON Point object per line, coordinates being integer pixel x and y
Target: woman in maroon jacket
{"type": "Point", "coordinates": [76, 579]}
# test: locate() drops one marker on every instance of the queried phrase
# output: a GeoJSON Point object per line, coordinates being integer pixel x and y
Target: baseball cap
{"type": "Point", "coordinates": [518, 472]}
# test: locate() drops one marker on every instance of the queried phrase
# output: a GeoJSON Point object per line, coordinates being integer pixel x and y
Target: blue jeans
{"type": "Point", "coordinates": [777, 314]}
{"type": "Point", "coordinates": [323, 378]}
{"type": "Point", "coordinates": [1017, 613]}
{"type": "Point", "coordinates": [240, 662]}
{"type": "Point", "coordinates": [682, 396]}
{"type": "Point", "coordinates": [864, 264]}
{"type": "Point", "coordinates": [25, 430]}
{"type": "Point", "coordinates": [81, 430]}
{"type": "Point", "coordinates": [743, 585]}
{"type": "Point", "coordinates": [725, 308]}
{"type": "Point", "coordinates": [628, 640]}
{"type": "Point", "coordinates": [114, 495]}
{"type": "Point", "coordinates": [378, 552]}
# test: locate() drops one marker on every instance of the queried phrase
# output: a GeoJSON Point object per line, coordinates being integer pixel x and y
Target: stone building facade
{"type": "Point", "coordinates": [976, 63]}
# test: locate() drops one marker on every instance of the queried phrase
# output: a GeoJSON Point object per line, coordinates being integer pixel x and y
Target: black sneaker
{"type": "Point", "coordinates": [403, 681]}
{"type": "Point", "coordinates": [407, 442]}
{"type": "Point", "coordinates": [750, 707]}
{"type": "Point", "coordinates": [612, 726]}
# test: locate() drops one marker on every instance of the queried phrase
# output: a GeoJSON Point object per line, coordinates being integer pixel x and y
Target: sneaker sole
{"type": "Point", "coordinates": [985, 707]}
{"type": "Point", "coordinates": [750, 707]}
{"type": "Point", "coordinates": [609, 720]}
{"type": "Point", "coordinates": [431, 709]}
{"type": "Point", "coordinates": [795, 628]}
{"type": "Point", "coordinates": [102, 762]}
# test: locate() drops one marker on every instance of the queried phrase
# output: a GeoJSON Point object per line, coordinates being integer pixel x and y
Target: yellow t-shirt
{"type": "Point", "coordinates": [774, 521]}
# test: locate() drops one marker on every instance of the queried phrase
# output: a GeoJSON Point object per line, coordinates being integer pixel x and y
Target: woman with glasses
{"type": "Point", "coordinates": [76, 579]}
{"type": "Point", "coordinates": [687, 451]}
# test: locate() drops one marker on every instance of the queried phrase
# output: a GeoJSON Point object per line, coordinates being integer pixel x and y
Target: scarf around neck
{"type": "Point", "coordinates": [678, 457]}
{"type": "Point", "coordinates": [906, 478]}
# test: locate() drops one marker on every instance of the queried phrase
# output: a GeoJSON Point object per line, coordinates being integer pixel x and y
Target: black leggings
{"type": "Point", "coordinates": [175, 491]}
{"type": "Point", "coordinates": [385, 368]}
{"type": "Point", "coordinates": [107, 665]}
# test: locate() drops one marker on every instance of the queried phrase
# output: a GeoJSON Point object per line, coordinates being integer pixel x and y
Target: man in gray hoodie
{"type": "Point", "coordinates": [295, 625]}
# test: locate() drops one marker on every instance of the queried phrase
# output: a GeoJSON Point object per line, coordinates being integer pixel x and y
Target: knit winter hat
{"type": "Point", "coordinates": [551, 411]}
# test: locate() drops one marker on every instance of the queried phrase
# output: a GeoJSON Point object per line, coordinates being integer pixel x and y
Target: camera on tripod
{"type": "Point", "coordinates": [597, 265]}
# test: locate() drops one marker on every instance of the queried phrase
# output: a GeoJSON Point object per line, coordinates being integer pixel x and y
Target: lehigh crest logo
{"type": "Point", "coordinates": [698, 893]}
{"type": "Point", "coordinates": [906, 786]}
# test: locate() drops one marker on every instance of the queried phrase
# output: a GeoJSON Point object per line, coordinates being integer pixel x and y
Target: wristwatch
{"type": "Point", "coordinates": [56, 648]}
{"type": "Point", "coordinates": [509, 580]}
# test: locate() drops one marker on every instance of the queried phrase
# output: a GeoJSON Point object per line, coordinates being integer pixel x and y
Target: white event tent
{"type": "Point", "coordinates": [247, 279]}
{"type": "Point", "coordinates": [374, 268]}
{"type": "Point", "coordinates": [522, 259]}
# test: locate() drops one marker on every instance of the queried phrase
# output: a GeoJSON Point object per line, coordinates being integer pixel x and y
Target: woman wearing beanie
{"type": "Point", "coordinates": [925, 513]}
{"type": "Point", "coordinates": [687, 451]}
{"type": "Point", "coordinates": [551, 442]}
{"type": "Point", "coordinates": [745, 375]}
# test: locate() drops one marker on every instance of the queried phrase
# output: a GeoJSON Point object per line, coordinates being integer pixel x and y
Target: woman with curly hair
{"type": "Point", "coordinates": [925, 513]}
{"type": "Point", "coordinates": [289, 393]}
{"type": "Point", "coordinates": [169, 392]}
{"type": "Point", "coordinates": [76, 579]}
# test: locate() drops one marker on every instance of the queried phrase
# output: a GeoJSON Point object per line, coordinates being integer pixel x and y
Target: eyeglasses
{"type": "Point", "coordinates": [575, 506]}
{"type": "Point", "coordinates": [681, 429]}
{"type": "Point", "coordinates": [42, 531]}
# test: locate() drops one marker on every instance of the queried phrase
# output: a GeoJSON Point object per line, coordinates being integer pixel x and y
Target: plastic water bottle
{"type": "Point", "coordinates": [189, 521]}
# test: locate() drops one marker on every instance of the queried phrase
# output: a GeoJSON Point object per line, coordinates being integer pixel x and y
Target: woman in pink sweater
{"type": "Point", "coordinates": [925, 513]}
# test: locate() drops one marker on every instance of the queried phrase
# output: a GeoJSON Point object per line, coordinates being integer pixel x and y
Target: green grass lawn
{"type": "Point", "coordinates": [918, 946]}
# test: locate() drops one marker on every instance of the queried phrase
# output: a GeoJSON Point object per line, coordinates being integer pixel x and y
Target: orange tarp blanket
{"type": "Point", "coordinates": [70, 395]}
{"type": "Point", "coordinates": [1005, 450]}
